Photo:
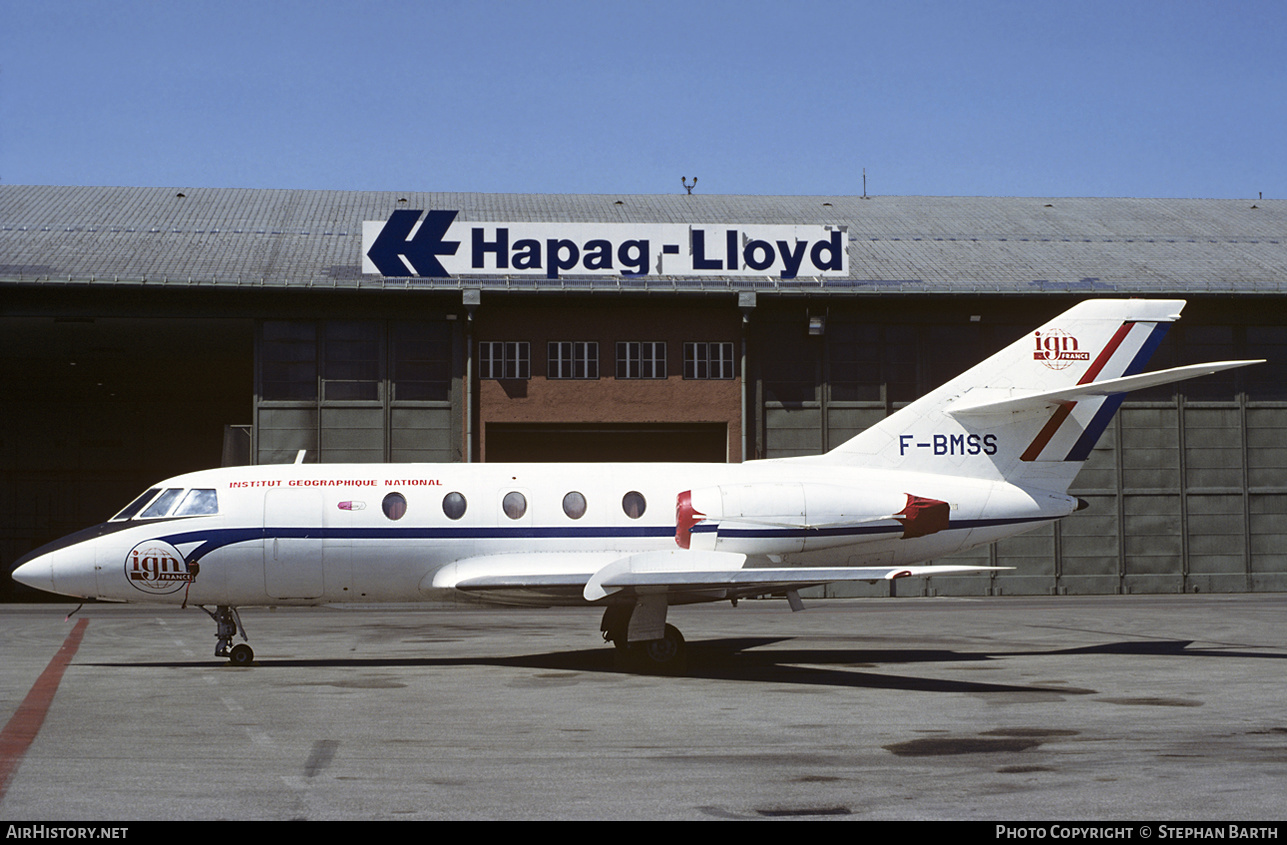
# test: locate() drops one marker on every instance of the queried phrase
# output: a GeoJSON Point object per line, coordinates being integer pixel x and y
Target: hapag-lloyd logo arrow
{"type": "Point", "coordinates": [421, 251]}
{"type": "Point", "coordinates": [598, 249]}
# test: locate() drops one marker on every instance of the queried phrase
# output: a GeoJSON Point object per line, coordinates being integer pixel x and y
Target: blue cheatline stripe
{"type": "Point", "coordinates": [219, 538]}
{"type": "Point", "coordinates": [1099, 423]}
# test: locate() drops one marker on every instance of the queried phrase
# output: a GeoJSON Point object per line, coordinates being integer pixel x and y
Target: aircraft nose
{"type": "Point", "coordinates": [69, 571]}
{"type": "Point", "coordinates": [36, 573]}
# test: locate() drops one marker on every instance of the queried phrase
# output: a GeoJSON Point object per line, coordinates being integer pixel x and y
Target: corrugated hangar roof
{"type": "Point", "coordinates": [275, 238]}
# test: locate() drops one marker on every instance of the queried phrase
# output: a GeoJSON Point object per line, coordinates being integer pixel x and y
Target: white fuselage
{"type": "Point", "coordinates": [311, 533]}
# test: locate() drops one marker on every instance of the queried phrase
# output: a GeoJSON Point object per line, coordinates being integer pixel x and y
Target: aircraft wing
{"type": "Point", "coordinates": [678, 573]}
{"type": "Point", "coordinates": [525, 570]}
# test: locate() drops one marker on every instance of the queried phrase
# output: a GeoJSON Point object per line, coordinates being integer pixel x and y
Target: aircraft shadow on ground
{"type": "Point", "coordinates": [753, 659]}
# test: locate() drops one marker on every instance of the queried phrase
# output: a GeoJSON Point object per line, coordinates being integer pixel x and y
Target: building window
{"type": "Point", "coordinates": [504, 359]}
{"type": "Point", "coordinates": [864, 359]}
{"type": "Point", "coordinates": [288, 361]}
{"type": "Point", "coordinates": [351, 368]}
{"type": "Point", "coordinates": [854, 356]}
{"type": "Point", "coordinates": [708, 361]}
{"type": "Point", "coordinates": [645, 359]}
{"type": "Point", "coordinates": [357, 360]}
{"type": "Point", "coordinates": [573, 360]}
{"type": "Point", "coordinates": [421, 360]}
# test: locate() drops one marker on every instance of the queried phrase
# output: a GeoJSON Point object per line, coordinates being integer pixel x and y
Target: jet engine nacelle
{"type": "Point", "coordinates": [775, 518]}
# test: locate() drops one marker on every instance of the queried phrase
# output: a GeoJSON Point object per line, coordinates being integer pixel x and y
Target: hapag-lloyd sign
{"type": "Point", "coordinates": [441, 246]}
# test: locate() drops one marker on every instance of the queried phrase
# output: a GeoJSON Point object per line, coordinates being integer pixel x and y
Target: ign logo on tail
{"type": "Point", "coordinates": [1058, 349]}
{"type": "Point", "coordinates": [157, 568]}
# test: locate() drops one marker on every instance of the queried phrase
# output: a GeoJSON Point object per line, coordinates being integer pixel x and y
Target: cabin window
{"type": "Point", "coordinates": [135, 506]}
{"type": "Point", "coordinates": [633, 504]}
{"type": "Point", "coordinates": [199, 502]}
{"type": "Point", "coordinates": [574, 505]}
{"type": "Point", "coordinates": [395, 505]}
{"type": "Point", "coordinates": [162, 504]}
{"type": "Point", "coordinates": [453, 505]}
{"type": "Point", "coordinates": [514, 504]}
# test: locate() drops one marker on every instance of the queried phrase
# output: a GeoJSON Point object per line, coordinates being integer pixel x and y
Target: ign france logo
{"type": "Point", "coordinates": [157, 568]}
{"type": "Point", "coordinates": [1058, 349]}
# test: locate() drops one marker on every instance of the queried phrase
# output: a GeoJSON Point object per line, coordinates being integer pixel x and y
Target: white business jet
{"type": "Point", "coordinates": [988, 455]}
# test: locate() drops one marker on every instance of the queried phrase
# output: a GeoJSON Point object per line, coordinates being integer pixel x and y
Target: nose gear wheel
{"type": "Point", "coordinates": [228, 625]}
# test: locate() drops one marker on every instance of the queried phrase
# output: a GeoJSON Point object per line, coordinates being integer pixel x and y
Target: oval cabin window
{"type": "Point", "coordinates": [514, 504]}
{"type": "Point", "coordinates": [395, 506]}
{"type": "Point", "coordinates": [574, 505]}
{"type": "Point", "coordinates": [633, 504]}
{"type": "Point", "coordinates": [453, 505]}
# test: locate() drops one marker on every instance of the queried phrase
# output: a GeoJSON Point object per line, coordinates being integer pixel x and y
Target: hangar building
{"type": "Point", "coordinates": [147, 332]}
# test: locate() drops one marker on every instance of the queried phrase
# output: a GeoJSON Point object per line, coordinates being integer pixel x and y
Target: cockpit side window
{"type": "Point", "coordinates": [135, 506]}
{"type": "Point", "coordinates": [199, 502]}
{"type": "Point", "coordinates": [162, 504]}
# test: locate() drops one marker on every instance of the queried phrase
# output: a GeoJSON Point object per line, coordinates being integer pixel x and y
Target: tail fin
{"type": "Point", "coordinates": [1031, 413]}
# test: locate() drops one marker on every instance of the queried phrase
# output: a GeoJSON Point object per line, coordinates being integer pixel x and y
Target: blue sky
{"type": "Point", "coordinates": [1151, 99]}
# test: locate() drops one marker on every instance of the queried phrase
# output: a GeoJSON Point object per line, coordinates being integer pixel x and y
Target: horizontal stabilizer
{"type": "Point", "coordinates": [966, 406]}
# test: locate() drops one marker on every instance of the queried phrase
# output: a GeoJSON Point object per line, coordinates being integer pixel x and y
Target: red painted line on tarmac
{"type": "Point", "coordinates": [21, 731]}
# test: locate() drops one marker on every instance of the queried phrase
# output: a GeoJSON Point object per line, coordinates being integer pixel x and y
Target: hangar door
{"type": "Point", "coordinates": [598, 442]}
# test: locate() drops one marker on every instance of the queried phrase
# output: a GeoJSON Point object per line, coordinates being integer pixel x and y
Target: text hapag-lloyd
{"type": "Point", "coordinates": [434, 243]}
{"type": "Point", "coordinates": [633, 255]}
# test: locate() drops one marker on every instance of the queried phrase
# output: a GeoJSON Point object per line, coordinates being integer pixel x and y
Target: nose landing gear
{"type": "Point", "coordinates": [229, 625]}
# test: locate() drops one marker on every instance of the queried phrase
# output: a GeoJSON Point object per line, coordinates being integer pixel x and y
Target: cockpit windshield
{"type": "Point", "coordinates": [194, 502]}
{"type": "Point", "coordinates": [136, 505]}
{"type": "Point", "coordinates": [162, 504]}
{"type": "Point", "coordinates": [198, 503]}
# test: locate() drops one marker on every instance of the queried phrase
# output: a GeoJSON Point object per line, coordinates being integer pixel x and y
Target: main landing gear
{"type": "Point", "coordinates": [643, 640]}
{"type": "Point", "coordinates": [229, 625]}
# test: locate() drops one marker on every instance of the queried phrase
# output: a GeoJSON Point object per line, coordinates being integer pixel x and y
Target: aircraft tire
{"type": "Point", "coordinates": [666, 656]}
{"type": "Point", "coordinates": [241, 655]}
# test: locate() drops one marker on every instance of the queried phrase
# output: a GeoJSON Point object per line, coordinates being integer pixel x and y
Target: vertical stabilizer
{"type": "Point", "coordinates": [998, 420]}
